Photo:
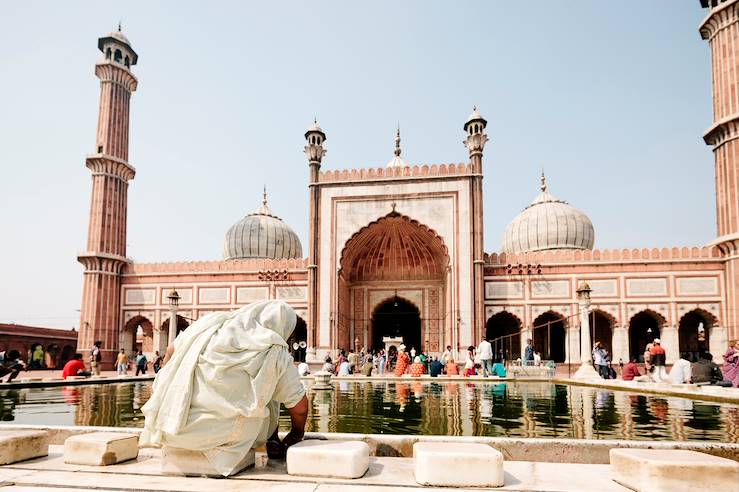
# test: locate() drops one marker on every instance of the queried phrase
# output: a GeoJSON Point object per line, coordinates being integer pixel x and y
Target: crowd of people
{"type": "Point", "coordinates": [400, 361]}
{"type": "Point", "coordinates": [690, 368]}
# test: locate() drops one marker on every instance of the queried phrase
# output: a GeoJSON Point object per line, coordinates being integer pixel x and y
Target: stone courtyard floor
{"type": "Point", "coordinates": [385, 474]}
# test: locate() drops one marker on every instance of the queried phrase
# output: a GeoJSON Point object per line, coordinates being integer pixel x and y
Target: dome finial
{"type": "Point", "coordinates": [543, 181]}
{"type": "Point", "coordinates": [119, 26]}
{"type": "Point", "coordinates": [397, 141]}
{"type": "Point", "coordinates": [264, 196]}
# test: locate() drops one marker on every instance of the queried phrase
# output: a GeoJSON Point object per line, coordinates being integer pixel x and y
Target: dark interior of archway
{"type": "Point", "coordinates": [690, 339]}
{"type": "Point", "coordinates": [549, 337]}
{"type": "Point", "coordinates": [503, 331]}
{"type": "Point", "coordinates": [299, 334]}
{"type": "Point", "coordinates": [643, 329]}
{"type": "Point", "coordinates": [600, 330]}
{"type": "Point", "coordinates": [397, 317]}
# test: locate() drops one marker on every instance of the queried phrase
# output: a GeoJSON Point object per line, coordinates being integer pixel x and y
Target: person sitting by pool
{"type": "Point", "coordinates": [680, 372]}
{"type": "Point", "coordinates": [345, 368]}
{"type": "Point", "coordinates": [451, 368]}
{"type": "Point", "coordinates": [303, 369]}
{"type": "Point", "coordinates": [417, 368]}
{"type": "Point", "coordinates": [328, 365]}
{"type": "Point", "coordinates": [631, 370]}
{"type": "Point", "coordinates": [706, 372]}
{"type": "Point", "coordinates": [220, 390]}
{"type": "Point", "coordinates": [435, 368]}
{"type": "Point", "coordinates": [402, 362]}
{"type": "Point", "coordinates": [75, 367]}
{"type": "Point", "coordinates": [11, 363]}
{"type": "Point", "coordinates": [367, 366]}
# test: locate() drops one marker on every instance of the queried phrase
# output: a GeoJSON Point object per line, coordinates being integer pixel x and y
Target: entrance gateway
{"type": "Point", "coordinates": [393, 275]}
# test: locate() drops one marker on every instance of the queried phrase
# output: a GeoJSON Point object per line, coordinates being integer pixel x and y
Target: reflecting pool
{"type": "Point", "coordinates": [513, 409]}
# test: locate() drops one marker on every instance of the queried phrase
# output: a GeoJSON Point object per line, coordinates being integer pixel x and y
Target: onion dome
{"type": "Point", "coordinates": [548, 223]}
{"type": "Point", "coordinates": [397, 160]}
{"type": "Point", "coordinates": [261, 235]}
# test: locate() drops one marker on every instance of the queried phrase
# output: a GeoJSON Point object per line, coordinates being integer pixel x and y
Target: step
{"type": "Point", "coordinates": [671, 470]}
{"type": "Point", "coordinates": [22, 445]}
{"type": "Point", "coordinates": [328, 459]}
{"type": "Point", "coordinates": [445, 464]}
{"type": "Point", "coordinates": [185, 462]}
{"type": "Point", "coordinates": [101, 448]}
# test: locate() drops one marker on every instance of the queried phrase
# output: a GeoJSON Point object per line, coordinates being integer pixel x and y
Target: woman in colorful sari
{"type": "Point", "coordinates": [402, 363]}
{"type": "Point", "coordinates": [731, 364]}
{"type": "Point", "coordinates": [220, 390]}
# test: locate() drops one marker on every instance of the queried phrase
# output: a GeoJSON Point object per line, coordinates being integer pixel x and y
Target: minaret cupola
{"type": "Point", "coordinates": [116, 48]}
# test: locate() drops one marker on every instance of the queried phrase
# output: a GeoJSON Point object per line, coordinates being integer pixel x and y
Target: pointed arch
{"type": "Point", "coordinates": [601, 328]}
{"type": "Point", "coordinates": [644, 327]}
{"type": "Point", "coordinates": [694, 331]}
{"type": "Point", "coordinates": [394, 247]}
{"type": "Point", "coordinates": [396, 316]}
{"type": "Point", "coordinates": [549, 335]}
{"type": "Point", "coordinates": [131, 340]}
{"type": "Point", "coordinates": [503, 331]}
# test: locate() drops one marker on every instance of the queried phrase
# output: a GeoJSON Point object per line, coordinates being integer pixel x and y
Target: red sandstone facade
{"type": "Point", "coordinates": [400, 248]}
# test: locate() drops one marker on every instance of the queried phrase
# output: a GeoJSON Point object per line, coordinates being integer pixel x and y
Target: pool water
{"type": "Point", "coordinates": [512, 409]}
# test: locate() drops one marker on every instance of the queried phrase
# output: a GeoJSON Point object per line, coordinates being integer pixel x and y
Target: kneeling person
{"type": "Point", "coordinates": [222, 384]}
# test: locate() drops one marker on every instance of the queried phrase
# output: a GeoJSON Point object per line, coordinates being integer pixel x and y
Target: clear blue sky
{"type": "Point", "coordinates": [610, 98]}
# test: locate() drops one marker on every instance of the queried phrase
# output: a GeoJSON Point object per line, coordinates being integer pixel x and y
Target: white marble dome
{"type": "Point", "coordinates": [261, 235]}
{"type": "Point", "coordinates": [548, 223]}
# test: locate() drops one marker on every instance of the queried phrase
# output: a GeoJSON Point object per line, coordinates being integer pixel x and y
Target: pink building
{"type": "Point", "coordinates": [398, 251]}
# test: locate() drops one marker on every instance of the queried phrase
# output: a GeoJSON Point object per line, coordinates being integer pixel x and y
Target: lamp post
{"type": "Point", "coordinates": [586, 370]}
{"type": "Point", "coordinates": [174, 300]}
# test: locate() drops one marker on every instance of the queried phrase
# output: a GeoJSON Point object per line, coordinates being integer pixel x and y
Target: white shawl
{"type": "Point", "coordinates": [221, 390]}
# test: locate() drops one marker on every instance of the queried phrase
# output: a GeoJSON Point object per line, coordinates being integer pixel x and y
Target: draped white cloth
{"type": "Point", "coordinates": [221, 390]}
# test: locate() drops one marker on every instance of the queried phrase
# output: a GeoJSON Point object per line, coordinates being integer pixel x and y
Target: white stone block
{"type": "Point", "coordinates": [672, 470]}
{"type": "Point", "coordinates": [328, 459]}
{"type": "Point", "coordinates": [457, 464]}
{"type": "Point", "coordinates": [178, 461]}
{"type": "Point", "coordinates": [22, 445]}
{"type": "Point", "coordinates": [76, 378]}
{"type": "Point", "coordinates": [101, 448]}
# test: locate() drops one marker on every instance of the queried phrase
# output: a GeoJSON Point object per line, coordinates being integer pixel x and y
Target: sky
{"type": "Point", "coordinates": [609, 98]}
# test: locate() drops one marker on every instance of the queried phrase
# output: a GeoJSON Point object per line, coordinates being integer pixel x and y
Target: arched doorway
{"type": "Point", "coordinates": [397, 317]}
{"type": "Point", "coordinates": [601, 329]}
{"type": "Point", "coordinates": [503, 331]}
{"type": "Point", "coordinates": [644, 327]}
{"type": "Point", "coordinates": [182, 325]}
{"type": "Point", "coordinates": [549, 336]}
{"type": "Point", "coordinates": [135, 333]}
{"type": "Point", "coordinates": [392, 254]}
{"type": "Point", "coordinates": [297, 342]}
{"type": "Point", "coordinates": [694, 332]}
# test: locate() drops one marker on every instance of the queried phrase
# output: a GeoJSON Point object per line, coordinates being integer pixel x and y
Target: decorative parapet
{"type": "Point", "coordinates": [605, 256]}
{"type": "Point", "coordinates": [249, 265]}
{"type": "Point", "coordinates": [408, 172]}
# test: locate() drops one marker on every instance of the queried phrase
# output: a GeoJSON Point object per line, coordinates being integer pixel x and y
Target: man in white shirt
{"type": "Point", "coordinates": [681, 372]}
{"type": "Point", "coordinates": [485, 354]}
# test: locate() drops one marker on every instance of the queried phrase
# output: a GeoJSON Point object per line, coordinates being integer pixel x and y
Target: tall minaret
{"type": "Point", "coordinates": [475, 142]}
{"type": "Point", "coordinates": [105, 255]}
{"type": "Point", "coordinates": [314, 139]}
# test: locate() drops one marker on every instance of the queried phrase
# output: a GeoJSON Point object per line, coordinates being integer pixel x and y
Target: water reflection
{"type": "Point", "coordinates": [441, 408]}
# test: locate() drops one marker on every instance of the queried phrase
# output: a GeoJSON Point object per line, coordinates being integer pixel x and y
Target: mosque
{"type": "Point", "coordinates": [397, 251]}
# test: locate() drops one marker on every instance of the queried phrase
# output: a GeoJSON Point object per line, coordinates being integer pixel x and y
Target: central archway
{"type": "Point", "coordinates": [397, 317]}
{"type": "Point", "coordinates": [392, 254]}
